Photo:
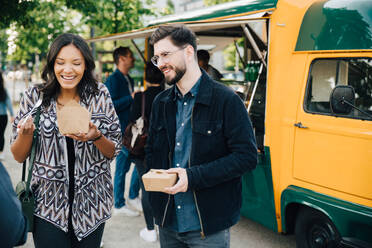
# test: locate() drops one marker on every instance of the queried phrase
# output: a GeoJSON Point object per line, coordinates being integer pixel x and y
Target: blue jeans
{"type": "Point", "coordinates": [122, 167]}
{"type": "Point", "coordinates": [171, 239]}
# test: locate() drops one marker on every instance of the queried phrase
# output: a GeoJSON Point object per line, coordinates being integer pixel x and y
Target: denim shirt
{"type": "Point", "coordinates": [185, 217]}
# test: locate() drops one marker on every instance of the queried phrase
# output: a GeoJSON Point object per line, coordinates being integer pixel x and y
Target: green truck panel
{"type": "Point", "coordinates": [351, 220]}
{"type": "Point", "coordinates": [258, 195]}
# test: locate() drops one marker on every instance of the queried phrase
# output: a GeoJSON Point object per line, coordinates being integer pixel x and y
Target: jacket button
{"type": "Point", "coordinates": [209, 132]}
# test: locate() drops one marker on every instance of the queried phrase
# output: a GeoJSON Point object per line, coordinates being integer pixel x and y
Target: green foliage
{"type": "Point", "coordinates": [15, 10]}
{"type": "Point", "coordinates": [3, 46]}
{"type": "Point", "coordinates": [169, 9]}
{"type": "Point", "coordinates": [3, 41]}
{"type": "Point", "coordinates": [38, 22]}
{"type": "Point", "coordinates": [214, 2]}
{"type": "Point", "coordinates": [108, 17]}
{"type": "Point", "coordinates": [230, 55]}
{"type": "Point", "coordinates": [43, 25]}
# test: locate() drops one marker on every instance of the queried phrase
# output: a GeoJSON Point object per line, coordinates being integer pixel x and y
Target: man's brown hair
{"type": "Point", "coordinates": [180, 35]}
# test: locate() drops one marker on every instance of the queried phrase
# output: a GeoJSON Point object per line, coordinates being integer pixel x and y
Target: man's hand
{"type": "Point", "coordinates": [182, 183]}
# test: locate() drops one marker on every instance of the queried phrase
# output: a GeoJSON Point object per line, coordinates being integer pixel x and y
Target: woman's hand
{"type": "Point", "coordinates": [22, 145]}
{"type": "Point", "coordinates": [104, 145]}
{"type": "Point", "coordinates": [26, 126]}
{"type": "Point", "coordinates": [92, 134]}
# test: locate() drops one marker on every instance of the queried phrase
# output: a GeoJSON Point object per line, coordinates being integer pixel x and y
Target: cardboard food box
{"type": "Point", "coordinates": [73, 118]}
{"type": "Point", "coordinates": [157, 180]}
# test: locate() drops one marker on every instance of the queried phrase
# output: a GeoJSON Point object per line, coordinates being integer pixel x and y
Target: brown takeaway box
{"type": "Point", "coordinates": [157, 180]}
{"type": "Point", "coordinates": [73, 118]}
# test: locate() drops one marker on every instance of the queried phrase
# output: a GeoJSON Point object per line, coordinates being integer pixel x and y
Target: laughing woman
{"type": "Point", "coordinates": [71, 178]}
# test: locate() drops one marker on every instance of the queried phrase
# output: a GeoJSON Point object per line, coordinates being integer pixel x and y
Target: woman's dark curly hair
{"type": "Point", "coordinates": [88, 84]}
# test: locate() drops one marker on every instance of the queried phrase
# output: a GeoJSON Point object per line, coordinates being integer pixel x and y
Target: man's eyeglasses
{"type": "Point", "coordinates": [164, 56]}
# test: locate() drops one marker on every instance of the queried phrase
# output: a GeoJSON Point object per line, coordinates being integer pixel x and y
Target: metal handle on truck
{"type": "Point", "coordinates": [299, 125]}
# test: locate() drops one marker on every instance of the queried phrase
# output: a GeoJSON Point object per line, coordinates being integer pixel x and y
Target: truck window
{"type": "Point", "coordinates": [325, 74]}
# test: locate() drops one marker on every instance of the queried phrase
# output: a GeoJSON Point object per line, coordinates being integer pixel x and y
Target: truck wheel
{"type": "Point", "coordinates": [314, 230]}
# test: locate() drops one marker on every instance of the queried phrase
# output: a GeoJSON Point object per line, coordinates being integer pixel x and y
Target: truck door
{"type": "Point", "coordinates": [330, 150]}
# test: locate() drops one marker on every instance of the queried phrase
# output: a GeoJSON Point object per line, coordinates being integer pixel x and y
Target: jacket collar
{"type": "Point", "coordinates": [204, 95]}
{"type": "Point", "coordinates": [122, 77]}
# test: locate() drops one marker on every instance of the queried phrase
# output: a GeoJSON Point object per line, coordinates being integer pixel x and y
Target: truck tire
{"type": "Point", "coordinates": [315, 230]}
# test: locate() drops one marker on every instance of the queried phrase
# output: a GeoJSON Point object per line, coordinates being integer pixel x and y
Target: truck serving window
{"type": "Point", "coordinates": [325, 74]}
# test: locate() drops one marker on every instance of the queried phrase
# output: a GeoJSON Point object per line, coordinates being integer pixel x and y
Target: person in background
{"type": "Point", "coordinates": [155, 84]}
{"type": "Point", "coordinates": [71, 177]}
{"type": "Point", "coordinates": [203, 61]}
{"type": "Point", "coordinates": [13, 224]}
{"type": "Point", "coordinates": [5, 104]}
{"type": "Point", "coordinates": [199, 130]}
{"type": "Point", "coordinates": [121, 88]}
{"type": "Point", "coordinates": [106, 74]}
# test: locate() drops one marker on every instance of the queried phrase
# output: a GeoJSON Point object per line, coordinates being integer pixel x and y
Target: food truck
{"type": "Point", "coordinates": [311, 108]}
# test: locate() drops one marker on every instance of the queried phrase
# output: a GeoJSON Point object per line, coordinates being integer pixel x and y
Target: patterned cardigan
{"type": "Point", "coordinates": [93, 191]}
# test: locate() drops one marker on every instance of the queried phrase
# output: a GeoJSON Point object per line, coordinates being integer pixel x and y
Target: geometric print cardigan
{"type": "Point", "coordinates": [93, 191]}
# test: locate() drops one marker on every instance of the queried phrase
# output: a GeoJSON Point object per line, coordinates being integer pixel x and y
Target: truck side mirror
{"type": "Point", "coordinates": [342, 99]}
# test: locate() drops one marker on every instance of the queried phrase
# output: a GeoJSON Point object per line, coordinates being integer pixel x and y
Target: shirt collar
{"type": "Point", "coordinates": [194, 90]}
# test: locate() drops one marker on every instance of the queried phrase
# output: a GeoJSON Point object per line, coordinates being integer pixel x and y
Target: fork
{"type": "Point", "coordinates": [37, 104]}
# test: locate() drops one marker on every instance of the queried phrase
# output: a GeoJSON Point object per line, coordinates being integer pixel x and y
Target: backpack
{"type": "Point", "coordinates": [136, 133]}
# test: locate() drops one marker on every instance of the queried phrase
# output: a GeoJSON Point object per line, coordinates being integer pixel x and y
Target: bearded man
{"type": "Point", "coordinates": [201, 131]}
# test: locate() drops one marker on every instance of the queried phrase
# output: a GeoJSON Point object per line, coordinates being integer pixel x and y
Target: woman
{"type": "Point", "coordinates": [154, 79]}
{"type": "Point", "coordinates": [5, 104]}
{"type": "Point", "coordinates": [71, 177]}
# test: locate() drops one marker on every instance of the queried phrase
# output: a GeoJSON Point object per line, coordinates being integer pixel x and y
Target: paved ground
{"type": "Point", "coordinates": [121, 231]}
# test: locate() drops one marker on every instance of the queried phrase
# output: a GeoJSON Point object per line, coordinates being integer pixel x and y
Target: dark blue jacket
{"type": "Point", "coordinates": [117, 85]}
{"type": "Point", "coordinates": [13, 225]}
{"type": "Point", "coordinates": [223, 149]}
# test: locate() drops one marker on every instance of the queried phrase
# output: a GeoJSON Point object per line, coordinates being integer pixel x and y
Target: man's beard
{"type": "Point", "coordinates": [179, 75]}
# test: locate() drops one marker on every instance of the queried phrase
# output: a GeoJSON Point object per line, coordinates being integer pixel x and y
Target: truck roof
{"type": "Point", "coordinates": [220, 11]}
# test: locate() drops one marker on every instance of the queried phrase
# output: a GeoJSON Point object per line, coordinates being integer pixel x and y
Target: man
{"type": "Point", "coordinates": [120, 86]}
{"type": "Point", "coordinates": [203, 61]}
{"type": "Point", "coordinates": [200, 130]}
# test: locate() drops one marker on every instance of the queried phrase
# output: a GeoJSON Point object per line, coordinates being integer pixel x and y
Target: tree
{"type": "Point", "coordinates": [3, 47]}
{"type": "Point", "coordinates": [39, 21]}
{"type": "Point", "coordinates": [43, 24]}
{"type": "Point", "coordinates": [108, 17]}
{"type": "Point", "coordinates": [15, 10]}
